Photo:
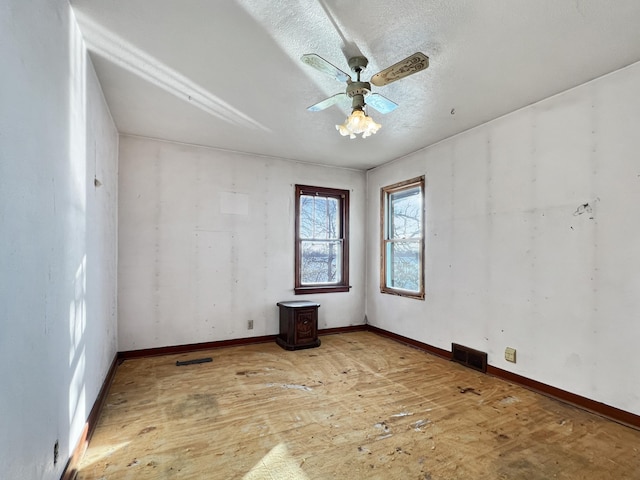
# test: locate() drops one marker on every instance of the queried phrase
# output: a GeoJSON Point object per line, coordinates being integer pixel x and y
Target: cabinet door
{"type": "Point", "coordinates": [306, 325]}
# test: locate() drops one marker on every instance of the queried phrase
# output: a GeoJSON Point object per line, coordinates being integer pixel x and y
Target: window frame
{"type": "Point", "coordinates": [343, 208]}
{"type": "Point", "coordinates": [385, 195]}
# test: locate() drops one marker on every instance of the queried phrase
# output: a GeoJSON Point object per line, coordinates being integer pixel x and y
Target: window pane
{"type": "Point", "coordinates": [321, 262]}
{"type": "Point", "coordinates": [306, 216]}
{"type": "Point", "coordinates": [319, 217]}
{"type": "Point", "coordinates": [403, 265]}
{"type": "Point", "coordinates": [405, 214]}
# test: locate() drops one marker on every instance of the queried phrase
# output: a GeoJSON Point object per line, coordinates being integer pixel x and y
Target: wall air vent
{"type": "Point", "coordinates": [469, 357]}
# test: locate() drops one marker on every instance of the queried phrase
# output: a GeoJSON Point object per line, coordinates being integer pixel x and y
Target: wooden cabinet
{"type": "Point", "coordinates": [298, 325]}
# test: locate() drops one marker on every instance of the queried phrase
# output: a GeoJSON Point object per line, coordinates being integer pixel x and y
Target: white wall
{"type": "Point", "coordinates": [57, 237]}
{"type": "Point", "coordinates": [510, 258]}
{"type": "Point", "coordinates": [207, 241]}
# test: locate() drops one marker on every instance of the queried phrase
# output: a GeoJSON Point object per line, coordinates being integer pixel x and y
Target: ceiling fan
{"type": "Point", "coordinates": [358, 90]}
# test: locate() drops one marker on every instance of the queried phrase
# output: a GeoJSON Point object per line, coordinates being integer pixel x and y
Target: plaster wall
{"type": "Point", "coordinates": [532, 241]}
{"type": "Point", "coordinates": [206, 241]}
{"type": "Point", "coordinates": [58, 237]}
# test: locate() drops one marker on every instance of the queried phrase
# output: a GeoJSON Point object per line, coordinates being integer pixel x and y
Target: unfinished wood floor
{"type": "Point", "coordinates": [359, 407]}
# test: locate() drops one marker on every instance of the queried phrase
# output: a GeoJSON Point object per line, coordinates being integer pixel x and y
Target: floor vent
{"type": "Point", "coordinates": [469, 357]}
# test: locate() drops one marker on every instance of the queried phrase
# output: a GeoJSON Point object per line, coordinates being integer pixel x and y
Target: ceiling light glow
{"type": "Point", "coordinates": [358, 122]}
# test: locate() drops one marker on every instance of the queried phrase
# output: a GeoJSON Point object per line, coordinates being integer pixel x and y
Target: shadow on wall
{"type": "Point", "coordinates": [76, 235]}
{"type": "Point", "coordinates": [90, 241]}
{"type": "Point", "coordinates": [50, 313]}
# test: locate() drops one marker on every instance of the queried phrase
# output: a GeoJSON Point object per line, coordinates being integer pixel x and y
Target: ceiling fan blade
{"type": "Point", "coordinates": [410, 65]}
{"type": "Point", "coordinates": [327, 102]}
{"type": "Point", "coordinates": [381, 103]}
{"type": "Point", "coordinates": [321, 64]}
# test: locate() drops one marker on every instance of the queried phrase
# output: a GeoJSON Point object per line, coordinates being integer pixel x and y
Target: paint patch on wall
{"type": "Point", "coordinates": [233, 203]}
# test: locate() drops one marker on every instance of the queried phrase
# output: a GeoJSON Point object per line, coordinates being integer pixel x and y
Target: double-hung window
{"type": "Point", "coordinates": [402, 231]}
{"type": "Point", "coordinates": [322, 240]}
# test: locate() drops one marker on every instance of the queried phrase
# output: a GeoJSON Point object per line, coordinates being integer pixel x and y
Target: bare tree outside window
{"type": "Point", "coordinates": [321, 239]}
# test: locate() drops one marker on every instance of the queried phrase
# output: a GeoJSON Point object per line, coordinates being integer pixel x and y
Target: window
{"type": "Point", "coordinates": [322, 240]}
{"type": "Point", "coordinates": [402, 231]}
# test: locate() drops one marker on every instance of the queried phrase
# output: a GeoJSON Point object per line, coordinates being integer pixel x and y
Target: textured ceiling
{"type": "Point", "coordinates": [227, 74]}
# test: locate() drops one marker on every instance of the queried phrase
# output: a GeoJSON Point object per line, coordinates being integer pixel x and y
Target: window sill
{"type": "Point", "coordinates": [321, 289]}
{"type": "Point", "coordinates": [403, 293]}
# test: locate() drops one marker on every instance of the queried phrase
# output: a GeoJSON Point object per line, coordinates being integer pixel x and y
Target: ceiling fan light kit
{"type": "Point", "coordinates": [359, 122]}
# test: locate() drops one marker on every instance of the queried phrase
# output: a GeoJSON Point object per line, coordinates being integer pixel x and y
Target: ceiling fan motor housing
{"type": "Point", "coordinates": [357, 91]}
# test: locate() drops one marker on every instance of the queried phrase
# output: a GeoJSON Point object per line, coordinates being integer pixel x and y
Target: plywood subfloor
{"type": "Point", "coordinates": [359, 407]}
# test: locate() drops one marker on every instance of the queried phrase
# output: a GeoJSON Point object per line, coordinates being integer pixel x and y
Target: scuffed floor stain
{"type": "Point", "coordinates": [290, 386]}
{"type": "Point", "coordinates": [195, 405]}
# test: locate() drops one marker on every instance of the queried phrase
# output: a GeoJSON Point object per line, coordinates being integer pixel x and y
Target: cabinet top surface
{"type": "Point", "coordinates": [298, 304]}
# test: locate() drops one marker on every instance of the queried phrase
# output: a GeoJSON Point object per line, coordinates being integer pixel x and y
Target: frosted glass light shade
{"type": "Point", "coordinates": [358, 122]}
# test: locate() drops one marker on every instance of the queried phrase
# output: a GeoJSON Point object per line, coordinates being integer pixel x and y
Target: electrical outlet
{"type": "Point", "coordinates": [510, 354]}
{"type": "Point", "coordinates": [250, 325]}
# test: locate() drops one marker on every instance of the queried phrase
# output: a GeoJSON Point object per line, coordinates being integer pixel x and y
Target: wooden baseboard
{"type": "Point", "coordinates": [338, 330]}
{"type": "Point", "coordinates": [411, 342]}
{"type": "Point", "coordinates": [194, 347]}
{"type": "Point", "coordinates": [621, 416]}
{"type": "Point", "coordinates": [71, 468]}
